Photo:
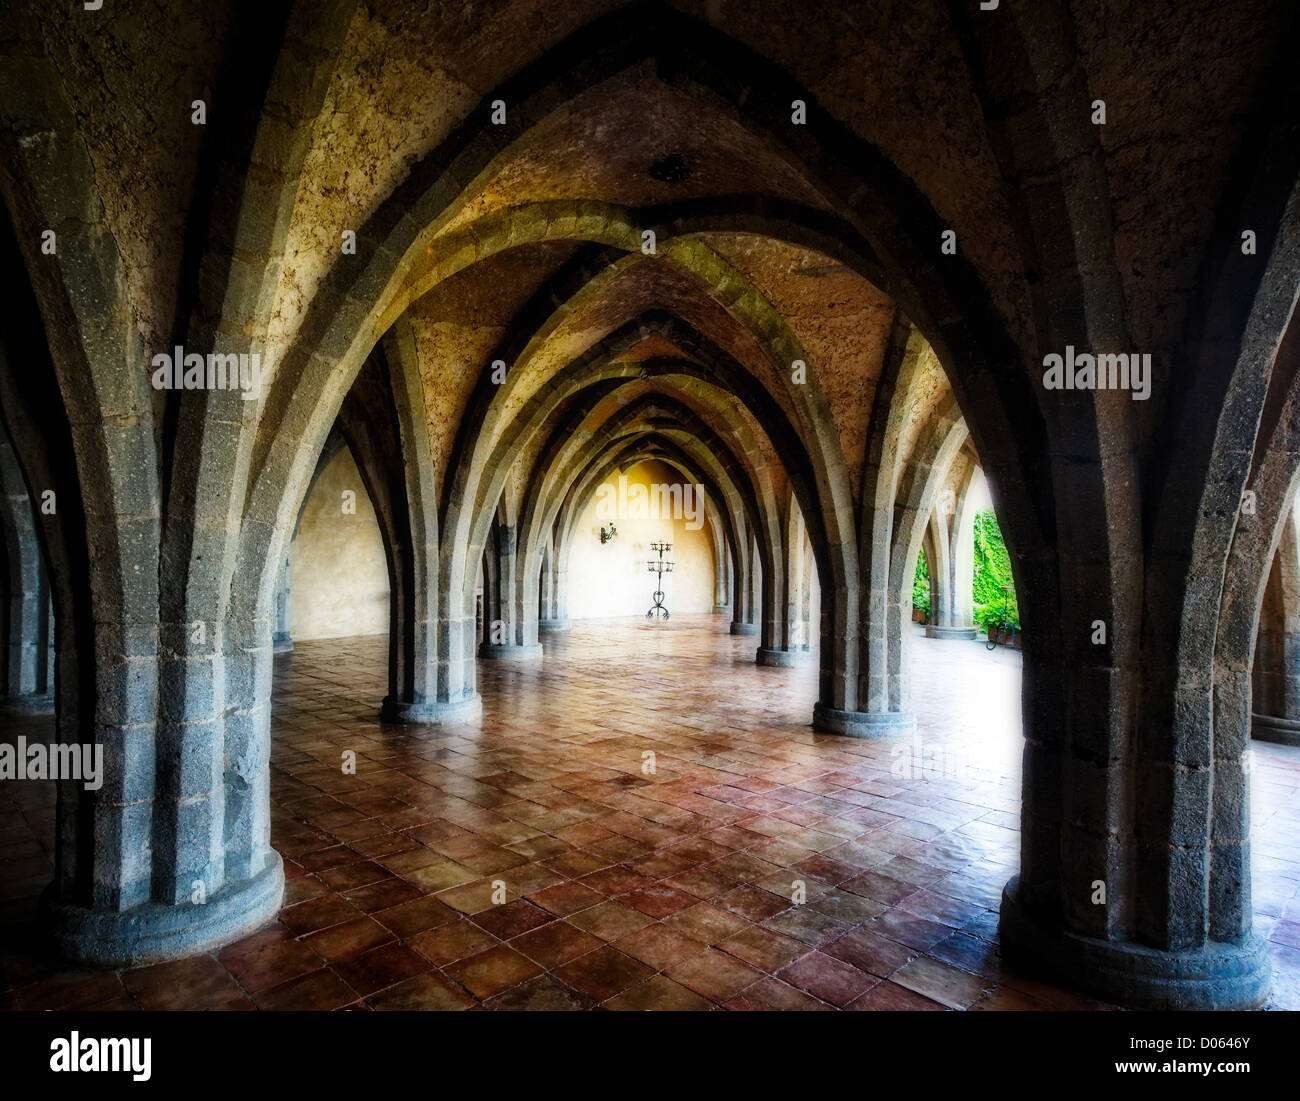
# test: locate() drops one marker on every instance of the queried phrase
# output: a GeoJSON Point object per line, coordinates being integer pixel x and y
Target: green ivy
{"type": "Point", "coordinates": [992, 573]}
{"type": "Point", "coordinates": [921, 585]}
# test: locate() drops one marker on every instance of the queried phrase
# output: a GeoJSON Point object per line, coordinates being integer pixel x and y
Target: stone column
{"type": "Point", "coordinates": [442, 642]}
{"type": "Point", "coordinates": [791, 646]}
{"type": "Point", "coordinates": [721, 569]}
{"type": "Point", "coordinates": [1134, 878]}
{"type": "Point", "coordinates": [1275, 676]}
{"type": "Point", "coordinates": [553, 619]}
{"type": "Point", "coordinates": [722, 587]}
{"type": "Point", "coordinates": [457, 699]}
{"type": "Point", "coordinates": [282, 640]}
{"type": "Point", "coordinates": [745, 621]}
{"type": "Point", "coordinates": [51, 631]}
{"type": "Point", "coordinates": [413, 645]}
{"type": "Point", "coordinates": [25, 672]}
{"type": "Point", "coordinates": [561, 612]}
{"type": "Point", "coordinates": [961, 564]}
{"type": "Point", "coordinates": [25, 644]}
{"type": "Point", "coordinates": [172, 855]}
{"type": "Point", "coordinates": [504, 634]}
{"type": "Point", "coordinates": [953, 541]}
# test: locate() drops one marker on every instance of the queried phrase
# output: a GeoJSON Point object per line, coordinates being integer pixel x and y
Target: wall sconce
{"type": "Point", "coordinates": [608, 535]}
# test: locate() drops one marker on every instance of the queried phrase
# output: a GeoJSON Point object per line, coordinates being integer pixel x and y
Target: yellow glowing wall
{"type": "Point", "coordinates": [612, 579]}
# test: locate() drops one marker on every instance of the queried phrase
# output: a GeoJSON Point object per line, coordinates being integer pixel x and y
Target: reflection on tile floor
{"type": "Point", "coordinates": [529, 862]}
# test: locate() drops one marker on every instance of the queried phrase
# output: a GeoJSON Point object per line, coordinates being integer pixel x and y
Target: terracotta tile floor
{"type": "Point", "coordinates": [529, 863]}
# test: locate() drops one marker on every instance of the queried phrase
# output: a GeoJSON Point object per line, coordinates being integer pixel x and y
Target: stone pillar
{"type": "Point", "coordinates": [443, 643]}
{"type": "Point", "coordinates": [746, 588]}
{"type": "Point", "coordinates": [878, 703]}
{"type": "Point", "coordinates": [27, 679]}
{"type": "Point", "coordinates": [890, 538]}
{"type": "Point", "coordinates": [558, 617]}
{"type": "Point", "coordinates": [413, 647]}
{"type": "Point", "coordinates": [457, 699]}
{"type": "Point", "coordinates": [1275, 676]}
{"type": "Point", "coordinates": [51, 631]}
{"type": "Point", "coordinates": [172, 855]}
{"type": "Point", "coordinates": [791, 645]}
{"type": "Point", "coordinates": [808, 583]}
{"type": "Point", "coordinates": [282, 640]}
{"type": "Point", "coordinates": [721, 589]}
{"type": "Point", "coordinates": [953, 542]}
{"type": "Point", "coordinates": [771, 608]}
{"type": "Point", "coordinates": [504, 638]}
{"type": "Point", "coordinates": [25, 644]}
{"type": "Point", "coordinates": [1134, 880]}
{"type": "Point", "coordinates": [248, 675]}
{"type": "Point", "coordinates": [898, 644]}
{"type": "Point", "coordinates": [552, 618]}
{"type": "Point", "coordinates": [25, 672]}
{"type": "Point", "coordinates": [961, 564]}
{"type": "Point", "coordinates": [721, 569]}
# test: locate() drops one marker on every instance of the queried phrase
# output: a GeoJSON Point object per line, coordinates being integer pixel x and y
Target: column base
{"type": "Point", "coordinates": [432, 712]}
{"type": "Point", "coordinates": [510, 652]}
{"type": "Point", "coordinates": [722, 609]}
{"type": "Point", "coordinates": [1218, 976]}
{"type": "Point", "coordinates": [744, 628]}
{"type": "Point", "coordinates": [154, 932]}
{"type": "Point", "coordinates": [1274, 728]}
{"type": "Point", "coordinates": [964, 633]}
{"type": "Point", "coordinates": [782, 659]}
{"type": "Point", "coordinates": [553, 625]}
{"type": "Point", "coordinates": [863, 724]}
{"type": "Point", "coordinates": [282, 642]}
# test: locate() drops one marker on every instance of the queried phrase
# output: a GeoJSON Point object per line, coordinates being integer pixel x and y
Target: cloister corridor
{"type": "Point", "coordinates": [627, 890]}
{"type": "Point", "coordinates": [649, 505]}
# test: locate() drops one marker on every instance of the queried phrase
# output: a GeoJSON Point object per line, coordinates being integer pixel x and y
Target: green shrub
{"type": "Point", "coordinates": [921, 585]}
{"type": "Point", "coordinates": [992, 573]}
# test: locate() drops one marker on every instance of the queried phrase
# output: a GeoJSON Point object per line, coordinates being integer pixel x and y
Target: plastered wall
{"type": "Point", "coordinates": [338, 576]}
{"type": "Point", "coordinates": [612, 579]}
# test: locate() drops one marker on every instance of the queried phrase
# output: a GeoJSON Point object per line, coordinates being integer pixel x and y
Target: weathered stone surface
{"type": "Point", "coordinates": [648, 257]}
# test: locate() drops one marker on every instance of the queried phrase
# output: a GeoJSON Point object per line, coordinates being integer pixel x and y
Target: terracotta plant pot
{"type": "Point", "coordinates": [1016, 642]}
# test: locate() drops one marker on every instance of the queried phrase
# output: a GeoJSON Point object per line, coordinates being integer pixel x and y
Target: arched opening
{"type": "Point", "coordinates": [1274, 757]}
{"type": "Point", "coordinates": [338, 572]}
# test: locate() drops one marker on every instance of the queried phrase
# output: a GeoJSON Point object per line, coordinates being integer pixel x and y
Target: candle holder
{"type": "Point", "coordinates": [659, 567]}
